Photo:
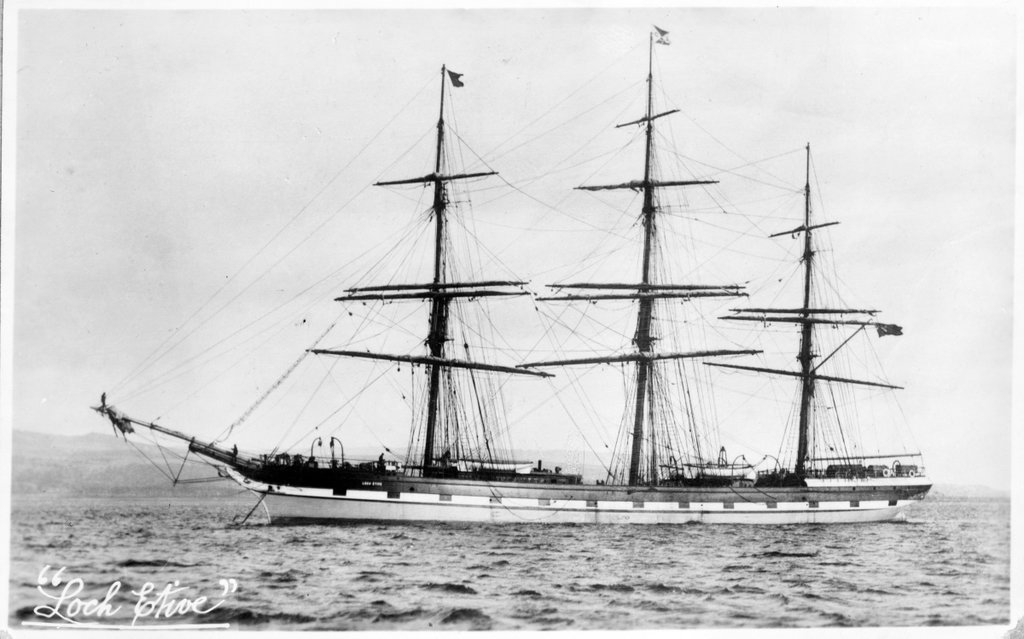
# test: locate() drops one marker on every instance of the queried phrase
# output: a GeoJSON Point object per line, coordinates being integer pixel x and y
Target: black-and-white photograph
{"type": "Point", "coordinates": [346, 318]}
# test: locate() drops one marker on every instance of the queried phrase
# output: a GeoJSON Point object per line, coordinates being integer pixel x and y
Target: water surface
{"type": "Point", "coordinates": [947, 565]}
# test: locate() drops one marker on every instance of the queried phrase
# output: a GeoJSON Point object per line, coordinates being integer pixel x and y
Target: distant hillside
{"type": "Point", "coordinates": [961, 491]}
{"type": "Point", "coordinates": [101, 465]}
{"type": "Point", "coordinates": [98, 465]}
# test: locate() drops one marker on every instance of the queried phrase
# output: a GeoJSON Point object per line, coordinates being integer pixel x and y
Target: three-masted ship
{"type": "Point", "coordinates": [450, 474]}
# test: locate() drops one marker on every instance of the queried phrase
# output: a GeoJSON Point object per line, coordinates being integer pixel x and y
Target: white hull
{"type": "Point", "coordinates": [291, 508]}
{"type": "Point", "coordinates": [288, 503]}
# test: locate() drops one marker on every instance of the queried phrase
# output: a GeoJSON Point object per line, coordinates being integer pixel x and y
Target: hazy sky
{"type": "Point", "coordinates": [161, 153]}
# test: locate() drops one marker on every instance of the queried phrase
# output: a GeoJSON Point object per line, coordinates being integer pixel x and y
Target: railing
{"type": "Point", "coordinates": [857, 467]}
{"type": "Point", "coordinates": [862, 472]}
{"type": "Point", "coordinates": [286, 459]}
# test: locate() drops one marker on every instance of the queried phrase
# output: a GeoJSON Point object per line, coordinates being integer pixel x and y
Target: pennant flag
{"type": "Point", "coordinates": [456, 78]}
{"type": "Point", "coordinates": [888, 329]}
{"type": "Point", "coordinates": [662, 35]}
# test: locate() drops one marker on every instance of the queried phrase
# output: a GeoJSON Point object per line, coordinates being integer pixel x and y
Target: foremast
{"type": "Point", "coordinates": [440, 291]}
{"type": "Point", "coordinates": [438, 334]}
{"type": "Point", "coordinates": [645, 292]}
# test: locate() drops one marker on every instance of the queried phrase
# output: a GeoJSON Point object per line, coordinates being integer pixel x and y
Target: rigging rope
{"type": "Point", "coordinates": [273, 387]}
{"type": "Point", "coordinates": [150, 360]}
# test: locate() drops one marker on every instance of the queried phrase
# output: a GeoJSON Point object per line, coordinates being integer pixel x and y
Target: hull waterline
{"type": "Point", "coordinates": [291, 504]}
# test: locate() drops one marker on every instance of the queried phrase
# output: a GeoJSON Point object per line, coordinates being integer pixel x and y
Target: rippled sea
{"type": "Point", "coordinates": [948, 564]}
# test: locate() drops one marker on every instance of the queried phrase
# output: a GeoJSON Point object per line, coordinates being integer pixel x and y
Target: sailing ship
{"type": "Point", "coordinates": [458, 468]}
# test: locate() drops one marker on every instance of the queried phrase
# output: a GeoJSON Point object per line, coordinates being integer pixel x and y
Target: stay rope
{"type": "Point", "coordinates": [166, 347]}
{"type": "Point", "coordinates": [273, 386]}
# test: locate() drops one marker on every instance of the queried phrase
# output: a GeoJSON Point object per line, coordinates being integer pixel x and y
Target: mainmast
{"type": "Point", "coordinates": [642, 337]}
{"type": "Point", "coordinates": [646, 291]}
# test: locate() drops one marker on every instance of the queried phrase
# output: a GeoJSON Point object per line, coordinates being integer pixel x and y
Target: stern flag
{"type": "Point", "coordinates": [456, 78]}
{"type": "Point", "coordinates": [662, 35]}
{"type": "Point", "coordinates": [888, 329]}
